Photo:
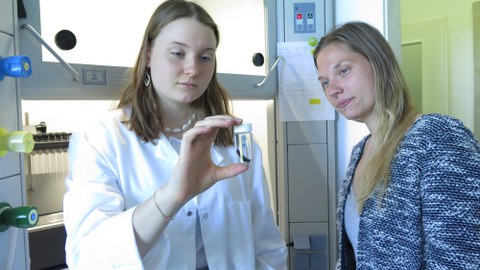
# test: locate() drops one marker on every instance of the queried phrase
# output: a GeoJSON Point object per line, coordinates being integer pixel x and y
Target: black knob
{"type": "Point", "coordinates": [65, 40]}
{"type": "Point", "coordinates": [258, 59]}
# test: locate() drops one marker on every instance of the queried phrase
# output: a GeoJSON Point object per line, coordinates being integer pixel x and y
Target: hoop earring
{"type": "Point", "coordinates": [146, 79]}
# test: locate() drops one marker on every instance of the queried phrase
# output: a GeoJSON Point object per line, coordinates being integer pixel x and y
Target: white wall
{"type": "Point", "coordinates": [460, 70]}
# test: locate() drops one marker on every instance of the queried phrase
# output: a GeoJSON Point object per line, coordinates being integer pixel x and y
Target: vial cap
{"type": "Point", "coordinates": [243, 128]}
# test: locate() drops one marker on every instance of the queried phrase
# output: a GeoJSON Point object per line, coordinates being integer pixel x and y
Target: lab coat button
{"type": "Point", "coordinates": [205, 216]}
{"type": "Point", "coordinates": [189, 213]}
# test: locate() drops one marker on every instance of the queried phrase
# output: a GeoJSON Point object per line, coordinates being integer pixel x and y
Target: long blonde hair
{"type": "Point", "coordinates": [146, 119]}
{"type": "Point", "coordinates": [393, 108]}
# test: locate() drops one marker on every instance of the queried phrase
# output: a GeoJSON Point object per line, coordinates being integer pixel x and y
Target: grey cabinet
{"type": "Point", "coordinates": [311, 199]}
{"type": "Point", "coordinates": [13, 243]}
{"type": "Point", "coordinates": [307, 185]}
{"type": "Point", "coordinates": [10, 163]}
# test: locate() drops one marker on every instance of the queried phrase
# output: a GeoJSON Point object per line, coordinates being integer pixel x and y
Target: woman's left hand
{"type": "Point", "coordinates": [195, 172]}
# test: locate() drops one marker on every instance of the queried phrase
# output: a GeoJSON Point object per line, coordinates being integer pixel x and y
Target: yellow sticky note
{"type": "Point", "coordinates": [315, 101]}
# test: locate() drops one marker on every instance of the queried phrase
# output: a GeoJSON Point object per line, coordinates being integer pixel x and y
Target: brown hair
{"type": "Point", "coordinates": [393, 106]}
{"type": "Point", "coordinates": [146, 119]}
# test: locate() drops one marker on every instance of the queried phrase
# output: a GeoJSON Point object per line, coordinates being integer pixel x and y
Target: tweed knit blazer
{"type": "Point", "coordinates": [430, 215]}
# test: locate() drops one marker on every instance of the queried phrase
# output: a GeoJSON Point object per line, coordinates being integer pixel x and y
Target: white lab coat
{"type": "Point", "coordinates": [112, 171]}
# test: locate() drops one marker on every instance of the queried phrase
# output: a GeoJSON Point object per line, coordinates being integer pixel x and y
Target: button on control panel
{"type": "Point", "coordinates": [304, 17]}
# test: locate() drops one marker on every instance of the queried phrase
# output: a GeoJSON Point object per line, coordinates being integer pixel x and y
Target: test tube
{"type": "Point", "coordinates": [243, 143]}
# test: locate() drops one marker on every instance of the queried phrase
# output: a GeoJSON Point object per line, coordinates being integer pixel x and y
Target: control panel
{"type": "Point", "coordinates": [304, 20]}
{"type": "Point", "coordinates": [304, 17]}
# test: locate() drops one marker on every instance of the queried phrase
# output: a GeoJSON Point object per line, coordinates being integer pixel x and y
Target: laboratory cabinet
{"type": "Point", "coordinates": [312, 251]}
{"type": "Point", "coordinates": [10, 163]}
{"type": "Point", "coordinates": [307, 168]}
{"type": "Point", "coordinates": [309, 205]}
{"type": "Point", "coordinates": [13, 241]}
{"type": "Point", "coordinates": [306, 150]}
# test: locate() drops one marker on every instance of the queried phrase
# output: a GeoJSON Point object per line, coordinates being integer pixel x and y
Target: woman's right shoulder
{"type": "Point", "coordinates": [105, 125]}
{"type": "Point", "coordinates": [108, 129]}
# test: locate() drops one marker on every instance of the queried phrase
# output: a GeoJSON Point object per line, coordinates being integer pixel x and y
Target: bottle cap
{"type": "Point", "coordinates": [15, 66]}
{"type": "Point", "coordinates": [244, 128]}
{"type": "Point", "coordinates": [17, 141]}
{"type": "Point", "coordinates": [19, 217]}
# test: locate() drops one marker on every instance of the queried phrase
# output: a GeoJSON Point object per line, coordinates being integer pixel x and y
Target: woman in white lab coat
{"type": "Point", "coordinates": [156, 183]}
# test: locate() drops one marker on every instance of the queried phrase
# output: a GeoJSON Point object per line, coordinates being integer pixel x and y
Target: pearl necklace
{"type": "Point", "coordinates": [184, 127]}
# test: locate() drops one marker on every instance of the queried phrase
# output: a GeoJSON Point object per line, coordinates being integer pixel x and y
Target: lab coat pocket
{"type": "Point", "coordinates": [242, 250]}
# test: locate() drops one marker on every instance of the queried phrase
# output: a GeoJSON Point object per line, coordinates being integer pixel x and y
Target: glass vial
{"type": "Point", "coordinates": [243, 142]}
